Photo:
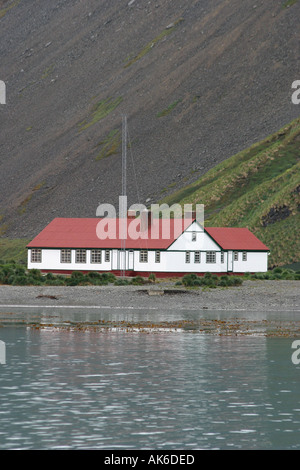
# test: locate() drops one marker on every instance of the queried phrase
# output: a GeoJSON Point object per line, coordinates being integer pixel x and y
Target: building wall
{"type": "Point", "coordinates": [203, 240]}
{"type": "Point", "coordinates": [51, 261]}
{"type": "Point", "coordinates": [174, 261]}
{"type": "Point", "coordinates": [170, 261]}
{"type": "Point", "coordinates": [256, 262]}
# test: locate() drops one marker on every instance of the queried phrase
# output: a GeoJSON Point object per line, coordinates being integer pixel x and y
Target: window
{"type": "Point", "coordinates": [197, 257]}
{"type": "Point", "coordinates": [80, 256]}
{"type": "Point", "coordinates": [157, 257]}
{"type": "Point", "coordinates": [194, 236]}
{"type": "Point", "coordinates": [222, 256]}
{"type": "Point", "coordinates": [187, 256]}
{"type": "Point", "coordinates": [107, 256]}
{"type": "Point", "coordinates": [36, 255]}
{"type": "Point", "coordinates": [65, 256]}
{"type": "Point", "coordinates": [143, 256]}
{"type": "Point", "coordinates": [210, 256]}
{"type": "Point", "coordinates": [236, 255]}
{"type": "Point", "coordinates": [96, 256]}
{"type": "Point", "coordinates": [244, 255]}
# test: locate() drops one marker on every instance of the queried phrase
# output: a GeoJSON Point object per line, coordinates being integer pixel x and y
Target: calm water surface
{"type": "Point", "coordinates": [133, 390]}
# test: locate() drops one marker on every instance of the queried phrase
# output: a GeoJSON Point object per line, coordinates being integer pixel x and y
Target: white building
{"type": "Point", "coordinates": [166, 247]}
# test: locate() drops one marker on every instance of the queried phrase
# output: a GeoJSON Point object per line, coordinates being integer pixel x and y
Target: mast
{"type": "Point", "coordinates": [124, 154]}
{"type": "Point", "coordinates": [124, 190]}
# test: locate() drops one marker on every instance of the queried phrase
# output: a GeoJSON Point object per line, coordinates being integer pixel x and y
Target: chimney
{"type": "Point", "coordinates": [131, 214]}
{"type": "Point", "coordinates": [145, 220]}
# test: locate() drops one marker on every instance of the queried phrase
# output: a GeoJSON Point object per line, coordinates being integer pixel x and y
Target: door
{"type": "Point", "coordinates": [230, 261]}
{"type": "Point", "coordinates": [114, 260]}
{"type": "Point", "coordinates": [122, 260]}
{"type": "Point", "coordinates": [130, 260]}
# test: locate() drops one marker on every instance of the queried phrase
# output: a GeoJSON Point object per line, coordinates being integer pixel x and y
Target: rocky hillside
{"type": "Point", "coordinates": [198, 80]}
{"type": "Point", "coordinates": [258, 188]}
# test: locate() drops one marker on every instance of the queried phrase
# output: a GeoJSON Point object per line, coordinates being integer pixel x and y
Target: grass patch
{"type": "Point", "coordinates": [3, 11]}
{"type": "Point", "coordinates": [110, 145]}
{"type": "Point", "coordinates": [276, 274]}
{"type": "Point", "coordinates": [169, 109]}
{"type": "Point", "coordinates": [16, 274]}
{"type": "Point", "coordinates": [101, 110]}
{"type": "Point", "coordinates": [289, 3]}
{"type": "Point", "coordinates": [210, 281]}
{"type": "Point", "coordinates": [13, 250]}
{"type": "Point", "coordinates": [48, 71]}
{"type": "Point", "coordinates": [147, 48]}
{"type": "Point", "coordinates": [24, 203]}
{"type": "Point", "coordinates": [3, 227]}
{"type": "Point", "coordinates": [257, 188]}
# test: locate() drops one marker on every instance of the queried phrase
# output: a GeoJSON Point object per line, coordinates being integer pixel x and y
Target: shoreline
{"type": "Point", "coordinates": [252, 295]}
{"type": "Point", "coordinates": [257, 308]}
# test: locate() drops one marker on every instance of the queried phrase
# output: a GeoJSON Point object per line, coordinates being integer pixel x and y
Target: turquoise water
{"type": "Point", "coordinates": [137, 390]}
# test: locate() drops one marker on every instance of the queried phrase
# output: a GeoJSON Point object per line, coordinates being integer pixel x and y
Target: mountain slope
{"type": "Point", "coordinates": [198, 80]}
{"type": "Point", "coordinates": [258, 188]}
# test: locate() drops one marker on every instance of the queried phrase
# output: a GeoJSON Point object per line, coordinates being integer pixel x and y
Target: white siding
{"type": "Point", "coordinates": [51, 261]}
{"type": "Point", "coordinates": [170, 261]}
{"type": "Point", "coordinates": [256, 262]}
{"type": "Point", "coordinates": [203, 240]}
{"type": "Point", "coordinates": [174, 261]}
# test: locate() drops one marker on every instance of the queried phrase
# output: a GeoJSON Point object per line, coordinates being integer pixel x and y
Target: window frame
{"type": "Point", "coordinates": [194, 236]}
{"type": "Point", "coordinates": [187, 257]}
{"type": "Point", "coordinates": [107, 256]}
{"type": "Point", "coordinates": [222, 257]}
{"type": "Point", "coordinates": [66, 256]}
{"type": "Point", "coordinates": [36, 255]}
{"type": "Point", "coordinates": [80, 256]}
{"type": "Point", "coordinates": [244, 256]}
{"type": "Point", "coordinates": [157, 257]}
{"type": "Point", "coordinates": [210, 257]}
{"type": "Point", "coordinates": [94, 253]}
{"type": "Point", "coordinates": [197, 254]}
{"type": "Point", "coordinates": [143, 256]}
{"type": "Point", "coordinates": [235, 256]}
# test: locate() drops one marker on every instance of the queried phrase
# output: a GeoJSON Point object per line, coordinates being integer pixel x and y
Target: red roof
{"type": "Point", "coordinates": [231, 238]}
{"type": "Point", "coordinates": [83, 233]}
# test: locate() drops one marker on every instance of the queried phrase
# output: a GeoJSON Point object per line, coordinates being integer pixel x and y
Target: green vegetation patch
{"type": "Point", "coordinates": [101, 110]}
{"type": "Point", "coordinates": [152, 43]}
{"type": "Point", "coordinates": [289, 3]}
{"type": "Point", "coordinates": [13, 250]}
{"type": "Point", "coordinates": [168, 110]}
{"type": "Point", "coordinates": [3, 11]}
{"type": "Point", "coordinates": [48, 71]}
{"type": "Point", "coordinates": [16, 274]}
{"type": "Point", "coordinates": [110, 145]}
{"type": "Point", "coordinates": [24, 203]}
{"type": "Point", "coordinates": [210, 281]}
{"type": "Point", "coordinates": [258, 188]}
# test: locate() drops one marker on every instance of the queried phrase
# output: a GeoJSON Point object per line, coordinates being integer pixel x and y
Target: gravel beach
{"type": "Point", "coordinates": [263, 295]}
{"type": "Point", "coordinates": [263, 308]}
